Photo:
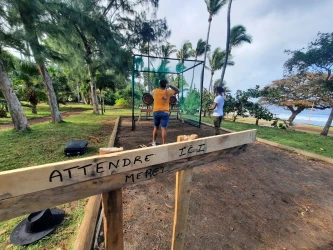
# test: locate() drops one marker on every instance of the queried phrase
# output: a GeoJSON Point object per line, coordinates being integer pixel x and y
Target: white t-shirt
{"type": "Point", "coordinates": [218, 111]}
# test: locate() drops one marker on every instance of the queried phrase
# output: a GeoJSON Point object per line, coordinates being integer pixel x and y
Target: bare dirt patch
{"type": "Point", "coordinates": [265, 198]}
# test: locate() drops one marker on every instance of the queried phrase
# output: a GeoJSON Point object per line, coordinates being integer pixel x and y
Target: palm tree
{"type": "Point", "coordinates": [167, 50]}
{"type": "Point", "coordinates": [213, 8]}
{"type": "Point", "coordinates": [216, 62]}
{"type": "Point", "coordinates": [238, 36]}
{"type": "Point", "coordinates": [227, 43]}
{"type": "Point", "coordinates": [226, 89]}
{"type": "Point", "coordinates": [186, 51]}
{"type": "Point", "coordinates": [199, 51]}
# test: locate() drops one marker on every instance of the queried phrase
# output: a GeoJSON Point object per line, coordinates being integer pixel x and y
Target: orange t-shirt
{"type": "Point", "coordinates": [160, 102]}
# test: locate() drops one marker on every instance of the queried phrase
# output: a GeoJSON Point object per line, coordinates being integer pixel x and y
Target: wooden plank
{"type": "Point", "coordinates": [112, 211]}
{"type": "Point", "coordinates": [28, 203]}
{"type": "Point", "coordinates": [182, 201]}
{"type": "Point", "coordinates": [85, 235]}
{"type": "Point", "coordinates": [113, 220]}
{"type": "Point", "coordinates": [27, 180]}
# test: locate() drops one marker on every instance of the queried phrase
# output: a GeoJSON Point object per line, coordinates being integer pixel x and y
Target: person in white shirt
{"type": "Point", "coordinates": [218, 109]}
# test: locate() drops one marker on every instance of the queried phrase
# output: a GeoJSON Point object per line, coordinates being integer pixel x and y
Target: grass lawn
{"type": "Point", "coordinates": [42, 144]}
{"type": "Point", "coordinates": [44, 110]}
{"type": "Point", "coordinates": [322, 145]}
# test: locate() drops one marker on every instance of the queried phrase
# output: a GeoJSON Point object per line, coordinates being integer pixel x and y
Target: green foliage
{"type": "Point", "coordinates": [121, 103]}
{"type": "Point", "coordinates": [214, 6]}
{"type": "Point", "coordinates": [301, 140]}
{"type": "Point", "coordinates": [259, 112]}
{"type": "Point", "coordinates": [192, 102]}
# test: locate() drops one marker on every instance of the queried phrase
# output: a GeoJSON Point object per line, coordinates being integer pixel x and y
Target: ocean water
{"type": "Point", "coordinates": [318, 117]}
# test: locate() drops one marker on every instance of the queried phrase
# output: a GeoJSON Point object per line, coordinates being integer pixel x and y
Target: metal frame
{"type": "Point", "coordinates": [197, 63]}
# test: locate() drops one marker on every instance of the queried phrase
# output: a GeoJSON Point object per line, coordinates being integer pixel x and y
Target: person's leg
{"type": "Point", "coordinates": [155, 133]}
{"type": "Point", "coordinates": [164, 135]}
{"type": "Point", "coordinates": [217, 123]}
{"type": "Point", "coordinates": [157, 121]}
{"type": "Point", "coordinates": [164, 125]}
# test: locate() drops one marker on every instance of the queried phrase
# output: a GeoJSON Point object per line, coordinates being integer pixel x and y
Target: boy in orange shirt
{"type": "Point", "coordinates": [161, 111]}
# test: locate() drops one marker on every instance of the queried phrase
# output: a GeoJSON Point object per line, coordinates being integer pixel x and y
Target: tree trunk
{"type": "Point", "coordinates": [196, 57]}
{"type": "Point", "coordinates": [328, 124]}
{"type": "Point", "coordinates": [84, 98]}
{"type": "Point", "coordinates": [34, 108]}
{"type": "Point", "coordinates": [56, 116]}
{"type": "Point", "coordinates": [93, 90]}
{"type": "Point", "coordinates": [227, 44]}
{"type": "Point", "coordinates": [257, 121]}
{"type": "Point", "coordinates": [205, 56]}
{"type": "Point", "coordinates": [294, 113]}
{"type": "Point", "coordinates": [211, 82]}
{"type": "Point", "coordinates": [15, 108]}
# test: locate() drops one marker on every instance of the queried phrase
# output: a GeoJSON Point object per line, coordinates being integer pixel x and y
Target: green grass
{"type": "Point", "coordinates": [44, 143]}
{"type": "Point", "coordinates": [44, 110]}
{"type": "Point", "coordinates": [302, 140]}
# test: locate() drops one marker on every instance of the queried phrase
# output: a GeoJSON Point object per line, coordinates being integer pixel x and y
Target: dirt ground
{"type": "Point", "coordinates": [265, 198]}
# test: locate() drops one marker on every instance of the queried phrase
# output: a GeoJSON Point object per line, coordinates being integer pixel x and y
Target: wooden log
{"type": "Point", "coordinates": [33, 179]}
{"type": "Point", "coordinates": [112, 212]}
{"type": "Point", "coordinates": [86, 232]}
{"type": "Point", "coordinates": [182, 201]}
{"type": "Point", "coordinates": [28, 203]}
{"type": "Point", "coordinates": [88, 227]}
{"type": "Point", "coordinates": [113, 220]}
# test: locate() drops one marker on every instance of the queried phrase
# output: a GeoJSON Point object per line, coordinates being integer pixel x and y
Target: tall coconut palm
{"type": "Point", "coordinates": [238, 36]}
{"type": "Point", "coordinates": [227, 43]}
{"type": "Point", "coordinates": [213, 8]}
{"type": "Point", "coordinates": [226, 89]}
{"type": "Point", "coordinates": [185, 51]}
{"type": "Point", "coordinates": [167, 50]}
{"type": "Point", "coordinates": [216, 62]}
{"type": "Point", "coordinates": [199, 51]}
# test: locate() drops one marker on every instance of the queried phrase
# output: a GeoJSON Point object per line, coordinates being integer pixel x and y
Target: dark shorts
{"type": "Point", "coordinates": [161, 118]}
{"type": "Point", "coordinates": [217, 121]}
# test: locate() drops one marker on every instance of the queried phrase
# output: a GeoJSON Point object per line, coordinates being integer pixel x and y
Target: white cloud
{"type": "Point", "coordinates": [274, 25]}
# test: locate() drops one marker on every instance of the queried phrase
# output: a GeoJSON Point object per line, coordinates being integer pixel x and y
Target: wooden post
{"type": "Point", "coordinates": [87, 229]}
{"type": "Point", "coordinates": [182, 200]}
{"type": "Point", "coordinates": [112, 203]}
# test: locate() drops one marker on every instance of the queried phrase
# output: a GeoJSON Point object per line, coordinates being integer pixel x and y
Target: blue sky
{"type": "Point", "coordinates": [275, 25]}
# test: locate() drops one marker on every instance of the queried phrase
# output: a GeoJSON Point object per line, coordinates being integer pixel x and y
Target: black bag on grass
{"type": "Point", "coordinates": [75, 147]}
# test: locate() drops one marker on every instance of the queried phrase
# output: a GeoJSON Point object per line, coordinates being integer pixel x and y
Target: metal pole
{"type": "Point", "coordinates": [201, 91]}
{"type": "Point", "coordinates": [133, 119]}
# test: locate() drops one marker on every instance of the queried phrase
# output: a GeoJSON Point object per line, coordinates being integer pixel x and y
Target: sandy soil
{"type": "Point", "coordinates": [265, 198]}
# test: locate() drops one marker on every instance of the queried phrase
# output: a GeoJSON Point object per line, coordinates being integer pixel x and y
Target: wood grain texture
{"type": "Point", "coordinates": [33, 179]}
{"type": "Point", "coordinates": [182, 201]}
{"type": "Point", "coordinates": [113, 219]}
{"type": "Point", "coordinates": [85, 235]}
{"type": "Point", "coordinates": [28, 203]}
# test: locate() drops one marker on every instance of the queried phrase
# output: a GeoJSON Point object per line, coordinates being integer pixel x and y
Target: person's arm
{"type": "Point", "coordinates": [213, 106]}
{"type": "Point", "coordinates": [173, 88]}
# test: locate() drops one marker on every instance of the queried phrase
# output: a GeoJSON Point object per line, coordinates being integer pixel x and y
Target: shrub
{"type": "Point", "coordinates": [121, 103]}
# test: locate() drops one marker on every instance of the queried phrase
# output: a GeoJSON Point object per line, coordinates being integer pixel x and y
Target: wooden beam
{"type": "Point", "coordinates": [182, 201]}
{"type": "Point", "coordinates": [33, 179]}
{"type": "Point", "coordinates": [113, 220]}
{"type": "Point", "coordinates": [112, 212]}
{"type": "Point", "coordinates": [86, 232]}
{"type": "Point", "coordinates": [28, 203]}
